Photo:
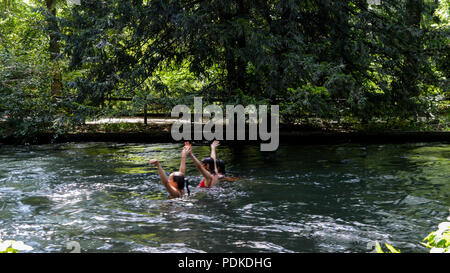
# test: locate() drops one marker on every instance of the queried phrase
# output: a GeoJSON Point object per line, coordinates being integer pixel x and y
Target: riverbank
{"type": "Point", "coordinates": [159, 131]}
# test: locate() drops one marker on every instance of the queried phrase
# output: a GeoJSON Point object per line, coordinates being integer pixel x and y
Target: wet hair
{"type": "Point", "coordinates": [220, 166]}
{"type": "Point", "coordinates": [210, 162]}
{"type": "Point", "coordinates": [181, 181]}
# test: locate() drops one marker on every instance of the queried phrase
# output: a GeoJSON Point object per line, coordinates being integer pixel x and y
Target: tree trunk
{"type": "Point", "coordinates": [231, 69]}
{"type": "Point", "coordinates": [413, 17]}
{"type": "Point", "coordinates": [236, 65]}
{"type": "Point", "coordinates": [54, 49]}
{"type": "Point", "coordinates": [242, 13]}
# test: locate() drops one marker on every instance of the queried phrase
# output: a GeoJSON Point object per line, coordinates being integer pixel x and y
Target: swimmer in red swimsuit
{"type": "Point", "coordinates": [207, 166]}
{"type": "Point", "coordinates": [176, 181]}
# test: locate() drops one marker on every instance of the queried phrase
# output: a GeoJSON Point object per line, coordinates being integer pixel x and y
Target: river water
{"type": "Point", "coordinates": [105, 197]}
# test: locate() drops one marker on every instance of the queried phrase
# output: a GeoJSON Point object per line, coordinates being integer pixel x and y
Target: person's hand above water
{"type": "Point", "coordinates": [186, 150]}
{"type": "Point", "coordinates": [215, 144]}
{"type": "Point", "coordinates": [154, 161]}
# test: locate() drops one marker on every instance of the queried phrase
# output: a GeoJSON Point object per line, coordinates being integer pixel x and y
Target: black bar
{"type": "Point", "coordinates": [241, 262]}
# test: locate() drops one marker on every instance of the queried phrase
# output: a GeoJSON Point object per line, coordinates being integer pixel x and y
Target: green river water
{"type": "Point", "coordinates": [321, 198]}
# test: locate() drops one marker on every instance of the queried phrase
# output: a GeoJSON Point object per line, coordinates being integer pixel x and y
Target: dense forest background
{"type": "Point", "coordinates": [350, 62]}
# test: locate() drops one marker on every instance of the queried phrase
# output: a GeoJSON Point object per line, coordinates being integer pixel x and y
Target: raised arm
{"type": "Point", "coordinates": [200, 167]}
{"type": "Point", "coordinates": [165, 179]}
{"type": "Point", "coordinates": [209, 178]}
{"type": "Point", "coordinates": [213, 154]}
{"type": "Point", "coordinates": [161, 171]}
{"type": "Point", "coordinates": [184, 152]}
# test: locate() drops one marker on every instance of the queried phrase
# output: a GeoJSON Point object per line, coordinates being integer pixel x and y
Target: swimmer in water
{"type": "Point", "coordinates": [220, 164]}
{"type": "Point", "coordinates": [207, 166]}
{"type": "Point", "coordinates": [221, 171]}
{"type": "Point", "coordinates": [176, 181]}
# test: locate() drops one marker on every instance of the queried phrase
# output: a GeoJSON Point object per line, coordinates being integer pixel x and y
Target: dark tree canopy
{"type": "Point", "coordinates": [329, 59]}
{"type": "Point", "coordinates": [368, 58]}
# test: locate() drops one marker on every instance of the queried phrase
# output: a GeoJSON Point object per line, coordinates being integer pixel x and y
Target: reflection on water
{"type": "Point", "coordinates": [335, 198]}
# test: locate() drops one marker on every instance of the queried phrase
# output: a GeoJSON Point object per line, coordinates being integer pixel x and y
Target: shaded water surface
{"type": "Point", "coordinates": [337, 198]}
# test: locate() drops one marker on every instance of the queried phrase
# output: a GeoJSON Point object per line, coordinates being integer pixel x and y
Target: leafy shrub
{"type": "Point", "coordinates": [11, 246]}
{"type": "Point", "coordinates": [26, 105]}
{"type": "Point", "coordinates": [390, 248]}
{"type": "Point", "coordinates": [305, 101]}
{"type": "Point", "coordinates": [439, 241]}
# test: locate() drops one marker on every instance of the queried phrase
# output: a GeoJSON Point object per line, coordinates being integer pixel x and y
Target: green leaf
{"type": "Point", "coordinates": [378, 247]}
{"type": "Point", "coordinates": [391, 248]}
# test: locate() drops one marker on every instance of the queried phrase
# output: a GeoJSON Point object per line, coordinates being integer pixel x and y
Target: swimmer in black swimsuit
{"type": "Point", "coordinates": [176, 181]}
